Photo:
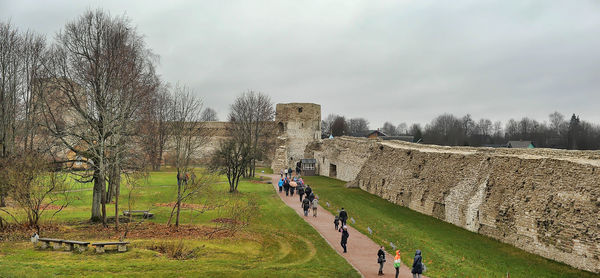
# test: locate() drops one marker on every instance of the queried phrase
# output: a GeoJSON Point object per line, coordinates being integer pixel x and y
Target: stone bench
{"type": "Point", "coordinates": [56, 243]}
{"type": "Point", "coordinates": [145, 213]}
{"type": "Point", "coordinates": [81, 245]}
{"type": "Point", "coordinates": [121, 246]}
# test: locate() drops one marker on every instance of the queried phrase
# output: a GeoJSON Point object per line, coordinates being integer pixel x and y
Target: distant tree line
{"type": "Point", "coordinates": [337, 125]}
{"type": "Point", "coordinates": [450, 130]}
{"type": "Point", "coordinates": [557, 132]}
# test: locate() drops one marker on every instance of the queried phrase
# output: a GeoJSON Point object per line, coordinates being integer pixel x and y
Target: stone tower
{"type": "Point", "coordinates": [298, 124]}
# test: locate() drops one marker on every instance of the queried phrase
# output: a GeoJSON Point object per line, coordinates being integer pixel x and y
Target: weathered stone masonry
{"type": "Point", "coordinates": [543, 201]}
{"type": "Point", "coordinates": [298, 125]}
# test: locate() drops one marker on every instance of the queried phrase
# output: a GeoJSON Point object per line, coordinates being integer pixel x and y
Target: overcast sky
{"type": "Point", "coordinates": [398, 61]}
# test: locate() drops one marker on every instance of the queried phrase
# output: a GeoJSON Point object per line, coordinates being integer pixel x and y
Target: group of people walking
{"type": "Point", "coordinates": [290, 184]}
{"type": "Point", "coordinates": [417, 267]}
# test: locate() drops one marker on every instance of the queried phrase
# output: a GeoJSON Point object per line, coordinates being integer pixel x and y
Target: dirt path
{"type": "Point", "coordinates": [362, 251]}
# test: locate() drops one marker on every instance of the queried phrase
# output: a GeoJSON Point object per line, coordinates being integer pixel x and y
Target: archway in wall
{"type": "Point", "coordinates": [280, 127]}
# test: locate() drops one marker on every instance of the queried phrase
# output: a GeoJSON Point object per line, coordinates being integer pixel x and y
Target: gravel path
{"type": "Point", "coordinates": [362, 251]}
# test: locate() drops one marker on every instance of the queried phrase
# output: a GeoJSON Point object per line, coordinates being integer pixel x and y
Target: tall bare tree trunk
{"type": "Point", "coordinates": [179, 184]}
{"type": "Point", "coordinates": [103, 204]}
{"type": "Point", "coordinates": [117, 211]}
{"type": "Point", "coordinates": [96, 198]}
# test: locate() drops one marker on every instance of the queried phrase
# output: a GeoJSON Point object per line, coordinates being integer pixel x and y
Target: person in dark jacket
{"type": "Point", "coordinates": [305, 206]}
{"type": "Point", "coordinates": [311, 197]}
{"type": "Point", "coordinates": [292, 189]}
{"type": "Point", "coordinates": [290, 171]}
{"type": "Point", "coordinates": [300, 189]}
{"type": "Point", "coordinates": [307, 190]}
{"type": "Point", "coordinates": [286, 186]}
{"type": "Point", "coordinates": [336, 222]}
{"type": "Point", "coordinates": [345, 236]}
{"type": "Point", "coordinates": [381, 259]}
{"type": "Point", "coordinates": [343, 216]}
{"type": "Point", "coordinates": [417, 266]}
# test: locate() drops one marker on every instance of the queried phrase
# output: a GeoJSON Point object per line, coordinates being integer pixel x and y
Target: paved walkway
{"type": "Point", "coordinates": [362, 251]}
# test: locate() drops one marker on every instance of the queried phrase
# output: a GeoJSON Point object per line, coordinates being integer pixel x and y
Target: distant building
{"type": "Point", "coordinates": [520, 144]}
{"type": "Point", "coordinates": [308, 166]}
{"type": "Point", "coordinates": [375, 134]}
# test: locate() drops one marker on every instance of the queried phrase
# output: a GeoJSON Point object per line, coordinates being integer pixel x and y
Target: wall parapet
{"type": "Point", "coordinates": [543, 201]}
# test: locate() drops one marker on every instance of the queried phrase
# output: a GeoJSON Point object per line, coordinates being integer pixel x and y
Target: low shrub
{"type": "Point", "coordinates": [175, 250]}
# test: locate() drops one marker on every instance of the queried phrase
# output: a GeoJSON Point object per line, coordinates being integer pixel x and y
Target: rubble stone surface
{"type": "Point", "coordinates": [543, 201]}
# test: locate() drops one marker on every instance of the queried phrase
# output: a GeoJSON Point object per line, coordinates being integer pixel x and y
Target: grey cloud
{"type": "Point", "coordinates": [397, 61]}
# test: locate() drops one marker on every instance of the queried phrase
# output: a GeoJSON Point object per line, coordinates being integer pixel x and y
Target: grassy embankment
{"type": "Point", "coordinates": [277, 243]}
{"type": "Point", "coordinates": [448, 251]}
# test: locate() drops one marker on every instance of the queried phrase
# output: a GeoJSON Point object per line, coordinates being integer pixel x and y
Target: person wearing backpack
{"type": "Point", "coordinates": [397, 262]}
{"type": "Point", "coordinates": [300, 189]}
{"type": "Point", "coordinates": [311, 197]}
{"type": "Point", "coordinates": [343, 216]}
{"type": "Point", "coordinates": [307, 190]}
{"type": "Point", "coordinates": [286, 186]}
{"type": "Point", "coordinates": [417, 266]}
{"type": "Point", "coordinates": [305, 206]}
{"type": "Point", "coordinates": [381, 260]}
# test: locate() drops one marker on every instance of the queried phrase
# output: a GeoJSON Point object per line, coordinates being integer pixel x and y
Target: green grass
{"type": "Point", "coordinates": [448, 251]}
{"type": "Point", "coordinates": [278, 243]}
{"type": "Point", "coordinates": [266, 169]}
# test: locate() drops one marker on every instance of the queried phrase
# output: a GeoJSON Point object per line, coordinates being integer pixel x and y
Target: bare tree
{"type": "Point", "coordinates": [9, 79]}
{"type": "Point", "coordinates": [358, 127]}
{"type": "Point", "coordinates": [34, 55]}
{"type": "Point", "coordinates": [99, 68]}
{"type": "Point", "coordinates": [326, 125]}
{"type": "Point", "coordinates": [209, 115]}
{"type": "Point", "coordinates": [339, 127]}
{"type": "Point", "coordinates": [191, 187]}
{"type": "Point", "coordinates": [557, 123]}
{"type": "Point", "coordinates": [417, 132]}
{"type": "Point", "coordinates": [402, 128]}
{"type": "Point", "coordinates": [250, 116]}
{"type": "Point", "coordinates": [188, 135]}
{"type": "Point", "coordinates": [21, 59]}
{"type": "Point", "coordinates": [132, 182]}
{"type": "Point", "coordinates": [155, 128]}
{"type": "Point", "coordinates": [483, 127]}
{"type": "Point", "coordinates": [389, 129]}
{"type": "Point", "coordinates": [34, 186]}
{"type": "Point", "coordinates": [10, 66]}
{"type": "Point", "coordinates": [232, 159]}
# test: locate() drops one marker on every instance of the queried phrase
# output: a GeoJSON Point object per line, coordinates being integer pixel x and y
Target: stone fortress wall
{"type": "Point", "coordinates": [543, 201]}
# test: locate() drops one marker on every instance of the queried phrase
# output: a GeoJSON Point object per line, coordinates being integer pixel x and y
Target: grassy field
{"type": "Point", "coordinates": [448, 250]}
{"type": "Point", "coordinates": [277, 243]}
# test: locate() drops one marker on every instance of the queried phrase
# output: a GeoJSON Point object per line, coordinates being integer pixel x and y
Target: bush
{"type": "Point", "coordinates": [174, 250]}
